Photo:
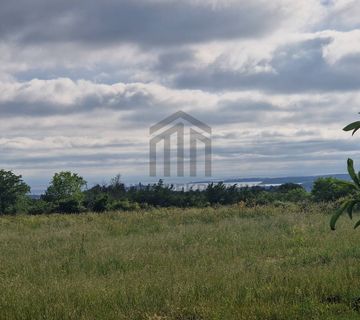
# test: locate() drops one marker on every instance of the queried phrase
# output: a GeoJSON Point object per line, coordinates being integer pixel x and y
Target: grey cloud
{"type": "Point", "coordinates": [133, 98]}
{"type": "Point", "coordinates": [279, 148]}
{"type": "Point", "coordinates": [343, 17]}
{"type": "Point", "coordinates": [245, 110]}
{"type": "Point", "coordinates": [238, 111]}
{"type": "Point", "coordinates": [298, 68]}
{"type": "Point", "coordinates": [173, 60]}
{"type": "Point", "coordinates": [274, 150]}
{"type": "Point", "coordinates": [98, 159]}
{"type": "Point", "coordinates": [143, 22]}
{"type": "Point", "coordinates": [141, 106]}
{"type": "Point", "coordinates": [259, 113]}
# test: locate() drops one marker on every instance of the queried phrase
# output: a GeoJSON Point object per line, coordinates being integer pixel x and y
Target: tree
{"type": "Point", "coordinates": [330, 189]}
{"type": "Point", "coordinates": [216, 193]}
{"type": "Point", "coordinates": [13, 192]}
{"type": "Point", "coordinates": [116, 188]}
{"type": "Point", "coordinates": [65, 191]}
{"type": "Point", "coordinates": [354, 199]}
{"type": "Point", "coordinates": [286, 187]}
{"type": "Point", "coordinates": [97, 198]}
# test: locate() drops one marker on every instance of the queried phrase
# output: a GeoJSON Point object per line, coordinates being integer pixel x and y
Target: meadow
{"type": "Point", "coordinates": [231, 262]}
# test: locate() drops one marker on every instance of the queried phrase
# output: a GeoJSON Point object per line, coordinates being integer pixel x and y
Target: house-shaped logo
{"type": "Point", "coordinates": [175, 125]}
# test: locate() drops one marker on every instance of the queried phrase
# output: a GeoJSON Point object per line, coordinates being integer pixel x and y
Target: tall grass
{"type": "Point", "coordinates": [224, 263]}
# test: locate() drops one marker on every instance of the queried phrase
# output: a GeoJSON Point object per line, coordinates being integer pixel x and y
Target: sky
{"type": "Point", "coordinates": [81, 82]}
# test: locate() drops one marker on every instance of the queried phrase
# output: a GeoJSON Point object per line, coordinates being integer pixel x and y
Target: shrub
{"type": "Point", "coordinates": [296, 195]}
{"type": "Point", "coordinates": [330, 189]}
{"type": "Point", "coordinates": [70, 206]}
{"type": "Point", "coordinates": [125, 205]}
{"type": "Point", "coordinates": [101, 203]}
{"type": "Point", "coordinates": [288, 187]}
{"type": "Point", "coordinates": [39, 207]}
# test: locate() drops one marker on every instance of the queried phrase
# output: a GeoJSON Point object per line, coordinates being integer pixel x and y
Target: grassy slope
{"type": "Point", "coordinates": [228, 263]}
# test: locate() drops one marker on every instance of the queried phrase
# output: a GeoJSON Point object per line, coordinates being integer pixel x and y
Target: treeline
{"type": "Point", "coordinates": [68, 193]}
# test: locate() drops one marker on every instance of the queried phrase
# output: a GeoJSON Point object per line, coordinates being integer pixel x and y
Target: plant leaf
{"type": "Point", "coordinates": [351, 206]}
{"type": "Point", "coordinates": [337, 215]}
{"type": "Point", "coordinates": [352, 126]}
{"type": "Point", "coordinates": [350, 168]}
{"type": "Point", "coordinates": [348, 183]}
{"type": "Point", "coordinates": [355, 131]}
{"type": "Point", "coordinates": [357, 224]}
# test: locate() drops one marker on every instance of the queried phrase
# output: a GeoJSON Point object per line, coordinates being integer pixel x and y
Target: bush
{"type": "Point", "coordinates": [330, 189]}
{"type": "Point", "coordinates": [296, 195]}
{"type": "Point", "coordinates": [39, 207]}
{"type": "Point", "coordinates": [70, 206]}
{"type": "Point", "coordinates": [289, 187]}
{"type": "Point", "coordinates": [125, 205]}
{"type": "Point", "coordinates": [101, 203]}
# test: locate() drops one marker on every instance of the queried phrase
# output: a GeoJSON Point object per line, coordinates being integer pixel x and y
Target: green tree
{"type": "Point", "coordinates": [65, 192]}
{"type": "Point", "coordinates": [13, 192]}
{"type": "Point", "coordinates": [289, 186]}
{"type": "Point", "coordinates": [116, 188]}
{"type": "Point", "coordinates": [330, 189]}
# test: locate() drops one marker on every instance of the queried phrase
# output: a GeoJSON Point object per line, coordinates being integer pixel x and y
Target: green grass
{"type": "Point", "coordinates": [224, 263]}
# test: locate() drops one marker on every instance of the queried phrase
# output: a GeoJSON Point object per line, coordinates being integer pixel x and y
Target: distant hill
{"type": "Point", "coordinates": [306, 181]}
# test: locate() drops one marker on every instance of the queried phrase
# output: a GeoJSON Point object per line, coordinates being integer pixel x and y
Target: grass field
{"type": "Point", "coordinates": [224, 263]}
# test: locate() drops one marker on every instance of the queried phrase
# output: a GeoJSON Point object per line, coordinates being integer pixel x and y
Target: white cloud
{"type": "Point", "coordinates": [343, 45]}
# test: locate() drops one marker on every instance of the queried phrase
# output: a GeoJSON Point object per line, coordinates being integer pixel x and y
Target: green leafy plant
{"type": "Point", "coordinates": [352, 201]}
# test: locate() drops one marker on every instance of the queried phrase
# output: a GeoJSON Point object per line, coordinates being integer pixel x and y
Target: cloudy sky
{"type": "Point", "coordinates": [81, 82]}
